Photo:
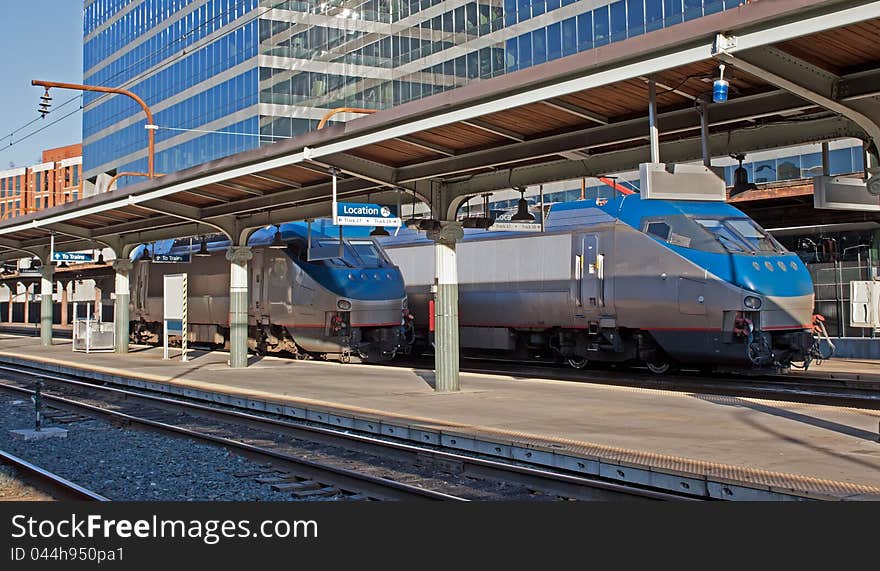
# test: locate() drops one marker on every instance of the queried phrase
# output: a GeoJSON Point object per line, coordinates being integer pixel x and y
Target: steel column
{"type": "Point", "coordinates": [46, 274]}
{"type": "Point", "coordinates": [238, 257]}
{"type": "Point", "coordinates": [446, 345]}
{"type": "Point", "coordinates": [703, 109]}
{"type": "Point", "coordinates": [121, 306]}
{"type": "Point", "coordinates": [652, 121]}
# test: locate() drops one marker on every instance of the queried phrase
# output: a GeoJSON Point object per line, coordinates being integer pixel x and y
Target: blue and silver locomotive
{"type": "Point", "coordinates": [627, 280]}
{"type": "Point", "coordinates": [330, 300]}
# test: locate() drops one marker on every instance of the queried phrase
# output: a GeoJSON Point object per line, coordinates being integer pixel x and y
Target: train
{"type": "Point", "coordinates": [625, 280]}
{"type": "Point", "coordinates": [308, 296]}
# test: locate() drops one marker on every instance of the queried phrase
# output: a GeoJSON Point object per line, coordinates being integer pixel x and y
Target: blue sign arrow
{"type": "Point", "coordinates": [71, 257]}
{"type": "Point", "coordinates": [365, 214]}
{"type": "Point", "coordinates": [171, 258]}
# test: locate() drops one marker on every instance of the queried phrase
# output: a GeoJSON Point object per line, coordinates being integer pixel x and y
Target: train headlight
{"type": "Point", "coordinates": [752, 302]}
{"type": "Point", "coordinates": [343, 304]}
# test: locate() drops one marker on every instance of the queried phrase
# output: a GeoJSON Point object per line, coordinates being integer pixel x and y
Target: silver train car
{"type": "Point", "coordinates": [654, 282]}
{"type": "Point", "coordinates": [308, 304]}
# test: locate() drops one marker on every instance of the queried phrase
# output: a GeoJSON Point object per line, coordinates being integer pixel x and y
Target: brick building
{"type": "Point", "coordinates": [56, 180]}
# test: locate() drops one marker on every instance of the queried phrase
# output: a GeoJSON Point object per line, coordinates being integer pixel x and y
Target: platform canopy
{"type": "Point", "coordinates": [799, 70]}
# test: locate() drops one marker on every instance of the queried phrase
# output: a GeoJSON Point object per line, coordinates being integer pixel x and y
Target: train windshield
{"type": "Point", "coordinates": [754, 235]}
{"type": "Point", "coordinates": [731, 241]}
{"type": "Point", "coordinates": [369, 254]}
{"type": "Point", "coordinates": [328, 251]}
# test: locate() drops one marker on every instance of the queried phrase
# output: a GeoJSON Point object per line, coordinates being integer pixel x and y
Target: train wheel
{"type": "Point", "coordinates": [578, 362]}
{"type": "Point", "coordinates": [659, 365]}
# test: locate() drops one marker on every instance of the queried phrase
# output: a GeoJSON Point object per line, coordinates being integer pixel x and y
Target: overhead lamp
{"type": "Point", "coordinates": [720, 88]}
{"type": "Point", "coordinates": [477, 222]}
{"type": "Point", "coordinates": [146, 255]}
{"type": "Point", "coordinates": [412, 223]}
{"type": "Point", "coordinates": [379, 231]}
{"type": "Point", "coordinates": [522, 208]}
{"type": "Point", "coordinates": [62, 265]}
{"type": "Point", "coordinates": [429, 224]}
{"type": "Point", "coordinates": [203, 248]}
{"type": "Point", "coordinates": [100, 261]}
{"type": "Point", "coordinates": [277, 242]}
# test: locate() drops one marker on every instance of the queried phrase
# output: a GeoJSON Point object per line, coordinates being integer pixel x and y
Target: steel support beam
{"type": "Point", "coordinates": [446, 342]}
{"type": "Point", "coordinates": [805, 80]}
{"type": "Point", "coordinates": [121, 316]}
{"type": "Point", "coordinates": [238, 257]}
{"type": "Point", "coordinates": [689, 149]}
{"type": "Point", "coordinates": [46, 306]}
{"type": "Point", "coordinates": [576, 111]}
{"type": "Point", "coordinates": [670, 123]}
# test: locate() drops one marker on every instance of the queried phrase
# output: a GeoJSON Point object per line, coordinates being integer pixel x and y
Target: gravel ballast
{"type": "Point", "coordinates": [135, 465]}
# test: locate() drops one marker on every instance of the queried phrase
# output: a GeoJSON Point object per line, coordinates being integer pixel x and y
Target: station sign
{"type": "Point", "coordinates": [72, 257]}
{"type": "Point", "coordinates": [365, 214]}
{"type": "Point", "coordinates": [171, 258]}
{"type": "Point", "coordinates": [504, 226]}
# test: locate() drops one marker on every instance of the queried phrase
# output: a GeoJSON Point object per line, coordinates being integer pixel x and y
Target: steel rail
{"type": "Point", "coordinates": [344, 479]}
{"type": "Point", "coordinates": [566, 485]}
{"type": "Point", "coordinates": [54, 484]}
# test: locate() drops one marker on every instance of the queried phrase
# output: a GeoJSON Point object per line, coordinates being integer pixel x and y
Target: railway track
{"type": "Point", "coordinates": [797, 387]}
{"type": "Point", "coordinates": [265, 438]}
{"type": "Point", "coordinates": [45, 481]}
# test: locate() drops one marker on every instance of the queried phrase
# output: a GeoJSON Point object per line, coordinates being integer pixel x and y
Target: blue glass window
{"type": "Point", "coordinates": [509, 12]}
{"type": "Point", "coordinates": [569, 37]}
{"type": "Point", "coordinates": [672, 12]}
{"type": "Point", "coordinates": [635, 15]}
{"type": "Point", "coordinates": [618, 21]}
{"type": "Point", "coordinates": [525, 50]}
{"type": "Point", "coordinates": [601, 30]}
{"type": "Point", "coordinates": [524, 10]}
{"type": "Point", "coordinates": [539, 46]}
{"type": "Point", "coordinates": [693, 9]}
{"type": "Point", "coordinates": [538, 7]}
{"type": "Point", "coordinates": [554, 41]}
{"type": "Point", "coordinates": [653, 15]}
{"type": "Point", "coordinates": [585, 31]}
{"type": "Point", "coordinates": [511, 55]}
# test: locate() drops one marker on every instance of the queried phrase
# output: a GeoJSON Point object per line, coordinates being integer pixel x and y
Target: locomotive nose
{"type": "Point", "coordinates": [779, 287]}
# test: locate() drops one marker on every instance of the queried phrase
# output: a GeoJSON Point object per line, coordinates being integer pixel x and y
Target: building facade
{"type": "Point", "coordinates": [56, 180]}
{"type": "Point", "coordinates": [224, 76]}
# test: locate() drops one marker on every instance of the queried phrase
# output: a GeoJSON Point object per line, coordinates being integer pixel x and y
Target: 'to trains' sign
{"type": "Point", "coordinates": [364, 214]}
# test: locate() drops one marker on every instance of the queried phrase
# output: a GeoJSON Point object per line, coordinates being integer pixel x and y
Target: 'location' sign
{"type": "Point", "coordinates": [171, 258]}
{"type": "Point", "coordinates": [71, 257]}
{"type": "Point", "coordinates": [363, 214]}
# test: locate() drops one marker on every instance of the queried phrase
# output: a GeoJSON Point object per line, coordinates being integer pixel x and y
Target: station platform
{"type": "Point", "coordinates": [720, 446]}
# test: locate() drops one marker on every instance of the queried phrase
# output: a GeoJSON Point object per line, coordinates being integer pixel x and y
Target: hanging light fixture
{"type": "Point", "coordinates": [277, 242]}
{"type": "Point", "coordinates": [203, 248]}
{"type": "Point", "coordinates": [721, 87]}
{"type": "Point", "coordinates": [379, 231]}
{"type": "Point", "coordinates": [146, 256]}
{"type": "Point", "coordinates": [100, 261]}
{"type": "Point", "coordinates": [522, 208]}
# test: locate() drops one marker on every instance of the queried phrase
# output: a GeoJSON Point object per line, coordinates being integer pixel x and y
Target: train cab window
{"type": "Point", "coordinates": [730, 241]}
{"type": "Point", "coordinates": [683, 231]}
{"type": "Point", "coordinates": [755, 236]}
{"type": "Point", "coordinates": [658, 229]}
{"type": "Point", "coordinates": [369, 254]}
{"type": "Point", "coordinates": [328, 251]}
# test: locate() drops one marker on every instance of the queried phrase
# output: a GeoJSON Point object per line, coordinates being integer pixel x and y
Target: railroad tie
{"type": "Point", "coordinates": [303, 486]}
{"type": "Point", "coordinates": [326, 491]}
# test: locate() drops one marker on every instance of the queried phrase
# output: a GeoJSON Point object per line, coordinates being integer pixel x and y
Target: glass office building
{"type": "Point", "coordinates": [224, 76]}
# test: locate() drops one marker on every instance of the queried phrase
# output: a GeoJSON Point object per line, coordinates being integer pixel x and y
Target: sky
{"type": "Point", "coordinates": [39, 39]}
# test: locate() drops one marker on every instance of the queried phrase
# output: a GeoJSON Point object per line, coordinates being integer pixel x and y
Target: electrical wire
{"type": "Point", "coordinates": [133, 66]}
